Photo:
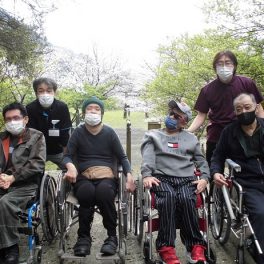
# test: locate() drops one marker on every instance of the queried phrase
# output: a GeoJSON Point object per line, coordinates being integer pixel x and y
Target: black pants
{"type": "Point", "coordinates": [210, 147]}
{"type": "Point", "coordinates": [101, 193]}
{"type": "Point", "coordinates": [254, 198]}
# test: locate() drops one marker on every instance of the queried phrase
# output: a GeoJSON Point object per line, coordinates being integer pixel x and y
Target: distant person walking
{"type": "Point", "coordinates": [126, 111]}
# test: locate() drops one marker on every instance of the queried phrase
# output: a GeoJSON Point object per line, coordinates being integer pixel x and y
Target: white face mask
{"type": "Point", "coordinates": [92, 119]}
{"type": "Point", "coordinates": [46, 100]}
{"type": "Point", "coordinates": [15, 127]}
{"type": "Point", "coordinates": [224, 73]}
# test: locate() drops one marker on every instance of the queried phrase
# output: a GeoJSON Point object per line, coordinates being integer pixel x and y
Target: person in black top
{"type": "Point", "coordinates": [51, 117]}
{"type": "Point", "coordinates": [243, 142]}
{"type": "Point", "coordinates": [90, 160]}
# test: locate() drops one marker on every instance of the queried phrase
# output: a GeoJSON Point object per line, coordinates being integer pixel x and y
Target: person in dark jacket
{"type": "Point", "coordinates": [51, 117]}
{"type": "Point", "coordinates": [90, 160]}
{"type": "Point", "coordinates": [243, 142]}
{"type": "Point", "coordinates": [22, 163]}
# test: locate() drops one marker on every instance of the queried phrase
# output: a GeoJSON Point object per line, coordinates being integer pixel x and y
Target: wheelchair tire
{"type": "Point", "coordinates": [123, 205]}
{"type": "Point", "coordinates": [146, 251]}
{"type": "Point", "coordinates": [37, 256]}
{"type": "Point", "coordinates": [140, 211]}
{"type": "Point", "coordinates": [212, 259]}
{"type": "Point", "coordinates": [48, 208]}
{"type": "Point", "coordinates": [240, 256]}
{"type": "Point", "coordinates": [64, 209]}
{"type": "Point", "coordinates": [220, 221]}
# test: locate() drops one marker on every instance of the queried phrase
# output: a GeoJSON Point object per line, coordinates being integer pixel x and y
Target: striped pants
{"type": "Point", "coordinates": [175, 202]}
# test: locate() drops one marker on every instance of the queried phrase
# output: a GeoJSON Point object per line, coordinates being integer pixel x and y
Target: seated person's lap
{"type": "Point", "coordinates": [87, 191]}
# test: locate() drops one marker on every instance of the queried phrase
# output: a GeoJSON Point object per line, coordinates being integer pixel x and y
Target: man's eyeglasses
{"type": "Point", "coordinates": [13, 118]}
{"type": "Point", "coordinates": [176, 116]}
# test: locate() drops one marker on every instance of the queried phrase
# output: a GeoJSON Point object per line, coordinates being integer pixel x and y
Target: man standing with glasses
{"type": "Point", "coordinates": [216, 99]}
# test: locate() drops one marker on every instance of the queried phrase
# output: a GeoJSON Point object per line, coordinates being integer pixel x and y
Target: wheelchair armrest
{"type": "Point", "coordinates": [233, 166]}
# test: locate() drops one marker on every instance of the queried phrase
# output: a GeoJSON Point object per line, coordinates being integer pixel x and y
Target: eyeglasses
{"type": "Point", "coordinates": [224, 63]}
{"type": "Point", "coordinates": [176, 116]}
{"type": "Point", "coordinates": [13, 118]}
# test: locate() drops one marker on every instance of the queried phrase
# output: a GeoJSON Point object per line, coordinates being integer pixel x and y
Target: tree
{"type": "Point", "coordinates": [186, 66]}
{"type": "Point", "coordinates": [244, 18]}
{"type": "Point", "coordinates": [105, 74]}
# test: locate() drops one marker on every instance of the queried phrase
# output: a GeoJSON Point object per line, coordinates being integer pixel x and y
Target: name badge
{"type": "Point", "coordinates": [54, 132]}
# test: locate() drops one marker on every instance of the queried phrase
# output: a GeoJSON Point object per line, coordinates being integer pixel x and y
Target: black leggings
{"type": "Point", "coordinates": [101, 193]}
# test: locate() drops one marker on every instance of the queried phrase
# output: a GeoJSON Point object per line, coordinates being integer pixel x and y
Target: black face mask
{"type": "Point", "coordinates": [246, 118]}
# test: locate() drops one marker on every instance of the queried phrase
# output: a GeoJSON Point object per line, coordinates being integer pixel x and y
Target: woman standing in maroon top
{"type": "Point", "coordinates": [216, 99]}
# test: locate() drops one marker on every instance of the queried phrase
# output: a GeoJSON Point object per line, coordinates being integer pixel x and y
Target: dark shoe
{"type": "Point", "coordinates": [82, 246]}
{"type": "Point", "coordinates": [110, 246]}
{"type": "Point", "coordinates": [12, 254]}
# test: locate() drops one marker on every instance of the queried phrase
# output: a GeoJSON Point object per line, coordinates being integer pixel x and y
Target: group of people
{"type": "Point", "coordinates": [232, 105]}
{"type": "Point", "coordinates": [170, 155]}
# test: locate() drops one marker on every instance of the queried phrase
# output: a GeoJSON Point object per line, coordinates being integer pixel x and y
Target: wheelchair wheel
{"type": "Point", "coordinates": [211, 259]}
{"type": "Point", "coordinates": [65, 210]}
{"type": "Point", "coordinates": [146, 251]}
{"type": "Point", "coordinates": [48, 207]}
{"type": "Point", "coordinates": [240, 256]}
{"type": "Point", "coordinates": [219, 217]}
{"type": "Point", "coordinates": [139, 210]}
{"type": "Point", "coordinates": [37, 256]}
{"type": "Point", "coordinates": [122, 206]}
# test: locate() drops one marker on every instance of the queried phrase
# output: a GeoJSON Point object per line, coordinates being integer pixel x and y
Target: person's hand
{"type": "Point", "coordinates": [71, 174]}
{"type": "Point", "coordinates": [149, 181]}
{"type": "Point", "coordinates": [130, 184]}
{"type": "Point", "coordinates": [201, 185]}
{"type": "Point", "coordinates": [6, 180]}
{"type": "Point", "coordinates": [219, 180]}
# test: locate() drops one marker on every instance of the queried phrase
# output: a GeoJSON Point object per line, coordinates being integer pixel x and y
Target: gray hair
{"type": "Point", "coordinates": [243, 95]}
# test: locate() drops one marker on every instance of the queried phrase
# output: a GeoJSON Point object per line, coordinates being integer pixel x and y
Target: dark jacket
{"type": "Point", "coordinates": [40, 119]}
{"type": "Point", "coordinates": [230, 146]}
{"type": "Point", "coordinates": [28, 157]}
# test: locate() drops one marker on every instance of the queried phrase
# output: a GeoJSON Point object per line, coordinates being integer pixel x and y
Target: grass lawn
{"type": "Point", "coordinates": [115, 119]}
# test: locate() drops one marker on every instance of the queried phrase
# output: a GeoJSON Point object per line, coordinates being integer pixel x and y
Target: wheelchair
{"type": "Point", "coordinates": [67, 216]}
{"type": "Point", "coordinates": [147, 222]}
{"type": "Point", "coordinates": [228, 215]}
{"type": "Point", "coordinates": [40, 212]}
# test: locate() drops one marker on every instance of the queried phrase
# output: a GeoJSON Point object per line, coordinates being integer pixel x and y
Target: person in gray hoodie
{"type": "Point", "coordinates": [170, 156]}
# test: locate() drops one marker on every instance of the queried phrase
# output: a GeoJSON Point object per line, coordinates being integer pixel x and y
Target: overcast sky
{"type": "Point", "coordinates": [130, 29]}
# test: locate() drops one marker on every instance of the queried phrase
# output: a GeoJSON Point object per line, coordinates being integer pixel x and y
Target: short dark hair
{"type": "Point", "coordinates": [15, 106]}
{"type": "Point", "coordinates": [49, 82]}
{"type": "Point", "coordinates": [228, 54]}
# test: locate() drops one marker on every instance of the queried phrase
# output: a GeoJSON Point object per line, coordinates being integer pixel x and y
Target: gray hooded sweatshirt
{"type": "Point", "coordinates": [175, 155]}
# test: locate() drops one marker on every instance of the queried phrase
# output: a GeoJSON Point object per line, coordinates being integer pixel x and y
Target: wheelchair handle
{"type": "Point", "coordinates": [233, 166]}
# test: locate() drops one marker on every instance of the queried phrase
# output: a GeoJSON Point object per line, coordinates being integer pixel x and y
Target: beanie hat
{"type": "Point", "coordinates": [93, 100]}
{"type": "Point", "coordinates": [182, 107]}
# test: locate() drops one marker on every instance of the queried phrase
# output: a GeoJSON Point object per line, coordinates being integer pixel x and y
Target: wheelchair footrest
{"type": "Point", "coordinates": [26, 230]}
{"type": "Point", "coordinates": [100, 256]}
{"type": "Point", "coordinates": [70, 256]}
